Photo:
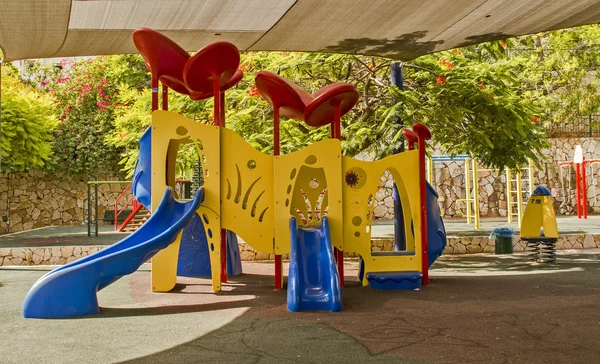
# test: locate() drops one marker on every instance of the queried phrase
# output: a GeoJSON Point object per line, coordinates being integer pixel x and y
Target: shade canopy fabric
{"type": "Point", "coordinates": [400, 29]}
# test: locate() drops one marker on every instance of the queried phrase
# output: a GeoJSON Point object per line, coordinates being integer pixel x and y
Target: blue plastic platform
{"type": "Point", "coordinates": [313, 280]}
{"type": "Point", "coordinates": [408, 280]}
{"type": "Point", "coordinates": [70, 290]}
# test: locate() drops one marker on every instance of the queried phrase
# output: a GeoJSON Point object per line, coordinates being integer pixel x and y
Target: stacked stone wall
{"type": "Point", "coordinates": [449, 182]}
{"type": "Point", "coordinates": [33, 200]}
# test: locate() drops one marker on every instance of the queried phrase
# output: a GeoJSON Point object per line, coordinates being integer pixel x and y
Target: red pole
{"type": "Point", "coordinates": [584, 202]}
{"type": "Point", "coordinates": [423, 133]}
{"type": "Point", "coordinates": [217, 122]}
{"type": "Point", "coordinates": [578, 188]}
{"type": "Point", "coordinates": [154, 93]}
{"type": "Point", "coordinates": [337, 133]}
{"type": "Point", "coordinates": [165, 97]}
{"type": "Point", "coordinates": [278, 260]}
{"type": "Point", "coordinates": [222, 109]}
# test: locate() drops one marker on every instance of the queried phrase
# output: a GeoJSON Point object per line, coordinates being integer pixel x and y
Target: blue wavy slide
{"type": "Point", "coordinates": [71, 289]}
{"type": "Point", "coordinates": [313, 280]}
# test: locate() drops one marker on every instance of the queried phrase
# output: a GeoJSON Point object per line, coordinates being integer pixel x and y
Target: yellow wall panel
{"type": "Point", "coordinates": [293, 173]}
{"type": "Point", "coordinates": [247, 191]}
{"type": "Point", "coordinates": [168, 131]}
{"type": "Point", "coordinates": [361, 182]}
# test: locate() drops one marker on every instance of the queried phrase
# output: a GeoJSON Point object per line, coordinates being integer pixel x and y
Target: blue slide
{"type": "Point", "coordinates": [194, 255]}
{"type": "Point", "coordinates": [436, 232]}
{"type": "Point", "coordinates": [70, 290]}
{"type": "Point", "coordinates": [194, 260]}
{"type": "Point", "coordinates": [313, 280]}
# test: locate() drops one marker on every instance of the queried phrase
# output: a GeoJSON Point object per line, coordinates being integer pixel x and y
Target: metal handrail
{"type": "Point", "coordinates": [117, 211]}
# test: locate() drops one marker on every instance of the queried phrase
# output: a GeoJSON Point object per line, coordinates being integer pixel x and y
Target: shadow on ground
{"type": "Point", "coordinates": [545, 314]}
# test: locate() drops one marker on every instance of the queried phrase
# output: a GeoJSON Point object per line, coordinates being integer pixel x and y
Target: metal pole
{"type": "Point", "coordinates": [584, 202]}
{"type": "Point", "coordinates": [337, 133]}
{"type": "Point", "coordinates": [278, 260]}
{"type": "Point", "coordinates": [578, 189]}
{"type": "Point", "coordinates": [531, 176]}
{"type": "Point", "coordinates": [475, 193]}
{"type": "Point", "coordinates": [1, 66]}
{"type": "Point", "coordinates": [508, 196]}
{"type": "Point", "coordinates": [165, 97]}
{"type": "Point", "coordinates": [397, 78]}
{"type": "Point", "coordinates": [519, 199]}
{"type": "Point", "coordinates": [89, 207]}
{"type": "Point", "coordinates": [430, 170]}
{"type": "Point", "coordinates": [423, 203]}
{"type": "Point", "coordinates": [96, 203]}
{"type": "Point", "coordinates": [154, 92]}
{"type": "Point", "coordinates": [468, 191]}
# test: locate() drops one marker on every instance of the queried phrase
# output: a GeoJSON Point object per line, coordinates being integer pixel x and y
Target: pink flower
{"type": "Point", "coordinates": [44, 83]}
{"type": "Point", "coordinates": [78, 137]}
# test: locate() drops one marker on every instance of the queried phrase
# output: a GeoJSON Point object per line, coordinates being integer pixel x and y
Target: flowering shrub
{"type": "Point", "coordinates": [84, 99]}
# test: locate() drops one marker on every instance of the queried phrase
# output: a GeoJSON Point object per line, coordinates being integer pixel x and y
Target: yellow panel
{"type": "Point", "coordinates": [359, 188]}
{"type": "Point", "coordinates": [293, 174]}
{"type": "Point", "coordinates": [247, 191]}
{"type": "Point", "coordinates": [167, 127]}
{"type": "Point", "coordinates": [539, 213]}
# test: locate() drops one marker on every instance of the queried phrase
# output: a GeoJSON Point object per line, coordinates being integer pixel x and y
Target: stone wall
{"type": "Point", "coordinates": [32, 200]}
{"type": "Point", "coordinates": [456, 245]}
{"type": "Point", "coordinates": [449, 182]}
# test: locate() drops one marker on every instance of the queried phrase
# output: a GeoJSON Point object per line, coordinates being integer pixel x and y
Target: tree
{"type": "Point", "coordinates": [559, 72]}
{"type": "Point", "coordinates": [27, 125]}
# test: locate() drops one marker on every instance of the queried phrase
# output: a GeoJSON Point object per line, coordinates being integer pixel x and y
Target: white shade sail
{"type": "Point", "coordinates": [401, 29]}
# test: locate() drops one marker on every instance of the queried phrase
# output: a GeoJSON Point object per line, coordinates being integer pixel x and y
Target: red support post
{"type": "Point", "coordinates": [217, 122]}
{"type": "Point", "coordinates": [423, 134]}
{"type": "Point", "coordinates": [578, 188]}
{"type": "Point", "coordinates": [154, 93]}
{"type": "Point", "coordinates": [337, 134]}
{"type": "Point", "coordinates": [165, 97]}
{"type": "Point", "coordinates": [222, 117]}
{"type": "Point", "coordinates": [276, 151]}
{"type": "Point", "coordinates": [584, 202]}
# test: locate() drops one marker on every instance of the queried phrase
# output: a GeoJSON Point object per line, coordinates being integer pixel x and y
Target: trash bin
{"type": "Point", "coordinates": [503, 237]}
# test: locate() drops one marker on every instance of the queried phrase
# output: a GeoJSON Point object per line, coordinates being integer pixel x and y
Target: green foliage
{"type": "Point", "coordinates": [487, 100]}
{"type": "Point", "coordinates": [27, 124]}
{"type": "Point", "coordinates": [559, 72]}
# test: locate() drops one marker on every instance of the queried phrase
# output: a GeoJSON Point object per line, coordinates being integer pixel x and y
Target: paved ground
{"type": "Point", "coordinates": [77, 235]}
{"type": "Point", "coordinates": [477, 309]}
{"type": "Point", "coordinates": [61, 236]}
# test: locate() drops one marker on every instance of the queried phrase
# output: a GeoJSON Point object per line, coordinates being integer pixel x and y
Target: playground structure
{"type": "Point", "coordinates": [580, 164]}
{"type": "Point", "coordinates": [519, 186]}
{"type": "Point", "coordinates": [313, 204]}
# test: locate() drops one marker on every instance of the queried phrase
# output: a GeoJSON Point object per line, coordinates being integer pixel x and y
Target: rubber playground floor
{"type": "Point", "coordinates": [77, 235]}
{"type": "Point", "coordinates": [477, 309]}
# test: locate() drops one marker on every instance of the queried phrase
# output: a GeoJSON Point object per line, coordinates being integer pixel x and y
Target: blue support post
{"type": "Point", "coordinates": [399, 228]}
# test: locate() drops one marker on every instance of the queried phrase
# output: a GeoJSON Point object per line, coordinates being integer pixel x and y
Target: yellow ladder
{"type": "Point", "coordinates": [516, 196]}
{"type": "Point", "coordinates": [471, 192]}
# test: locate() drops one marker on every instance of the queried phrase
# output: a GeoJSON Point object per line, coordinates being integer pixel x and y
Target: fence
{"type": "Point", "coordinates": [583, 126]}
